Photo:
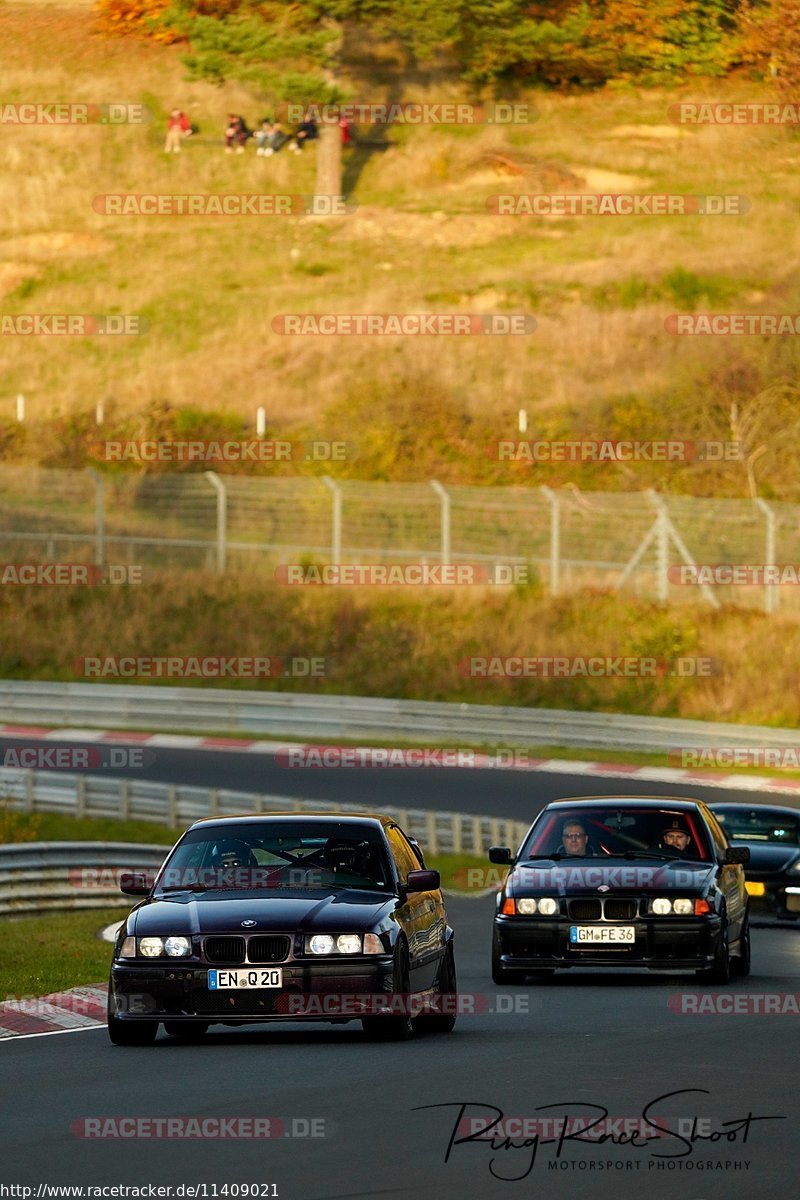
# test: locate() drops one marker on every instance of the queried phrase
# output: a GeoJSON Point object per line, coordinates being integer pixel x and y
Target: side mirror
{"type": "Point", "coordinates": [737, 854]}
{"type": "Point", "coordinates": [133, 883]}
{"type": "Point", "coordinates": [501, 855]}
{"type": "Point", "coordinates": [423, 881]}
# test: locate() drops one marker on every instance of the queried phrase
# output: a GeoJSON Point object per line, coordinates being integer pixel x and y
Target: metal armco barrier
{"type": "Point", "coordinates": [51, 876]}
{"type": "Point", "coordinates": [327, 718]}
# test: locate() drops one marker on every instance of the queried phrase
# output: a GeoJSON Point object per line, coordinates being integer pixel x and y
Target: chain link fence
{"type": "Point", "coordinates": [632, 541]}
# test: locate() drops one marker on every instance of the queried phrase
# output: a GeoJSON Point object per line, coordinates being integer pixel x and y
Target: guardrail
{"type": "Point", "coordinates": [327, 718]}
{"type": "Point", "coordinates": [46, 876]}
{"type": "Point", "coordinates": [176, 806]}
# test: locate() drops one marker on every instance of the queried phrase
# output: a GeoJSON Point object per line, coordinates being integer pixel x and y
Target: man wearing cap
{"type": "Point", "coordinates": [675, 837]}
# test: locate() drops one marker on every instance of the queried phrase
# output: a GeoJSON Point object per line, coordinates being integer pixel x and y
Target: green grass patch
{"type": "Point", "coordinates": [55, 951]}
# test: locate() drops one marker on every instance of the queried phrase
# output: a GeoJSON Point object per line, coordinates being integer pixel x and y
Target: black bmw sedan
{"type": "Point", "coordinates": [622, 882]}
{"type": "Point", "coordinates": [772, 835]}
{"type": "Point", "coordinates": [285, 917]}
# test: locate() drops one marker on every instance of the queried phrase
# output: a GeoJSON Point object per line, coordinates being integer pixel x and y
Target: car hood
{"type": "Point", "coordinates": [285, 910]}
{"type": "Point", "coordinates": [766, 858]}
{"type": "Point", "coordinates": [586, 877]}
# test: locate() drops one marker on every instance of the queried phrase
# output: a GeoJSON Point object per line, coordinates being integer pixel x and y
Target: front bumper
{"type": "Point", "coordinates": [666, 943]}
{"type": "Point", "coordinates": [311, 991]}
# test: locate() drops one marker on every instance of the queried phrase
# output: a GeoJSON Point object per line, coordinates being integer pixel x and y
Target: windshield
{"type": "Point", "coordinates": [591, 832]}
{"type": "Point", "coordinates": [277, 854]}
{"type": "Point", "coordinates": [754, 826]}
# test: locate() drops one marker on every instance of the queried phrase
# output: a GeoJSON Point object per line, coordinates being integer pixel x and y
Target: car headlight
{"type": "Point", "coordinates": [661, 906]}
{"type": "Point", "coordinates": [349, 943]}
{"type": "Point", "coordinates": [526, 906]}
{"type": "Point", "coordinates": [177, 947]}
{"type": "Point", "coordinates": [343, 943]}
{"type": "Point", "coordinates": [795, 866]}
{"type": "Point", "coordinates": [151, 947]}
{"type": "Point", "coordinates": [548, 906]}
{"type": "Point", "coordinates": [683, 907]}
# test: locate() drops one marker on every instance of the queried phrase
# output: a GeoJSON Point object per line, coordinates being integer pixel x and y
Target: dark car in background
{"type": "Point", "coordinates": [622, 882]}
{"type": "Point", "coordinates": [772, 835]}
{"type": "Point", "coordinates": [285, 917]}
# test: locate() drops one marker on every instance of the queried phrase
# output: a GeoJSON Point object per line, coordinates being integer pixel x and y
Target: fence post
{"type": "Point", "coordinates": [80, 798]}
{"type": "Point", "coordinates": [172, 806]}
{"type": "Point", "coordinates": [99, 516]}
{"type": "Point", "coordinates": [555, 538]}
{"type": "Point", "coordinates": [222, 519]}
{"type": "Point", "coordinates": [124, 799]}
{"type": "Point", "coordinates": [662, 546]}
{"type": "Point", "coordinates": [444, 522]}
{"type": "Point", "coordinates": [336, 519]}
{"type": "Point", "coordinates": [770, 590]}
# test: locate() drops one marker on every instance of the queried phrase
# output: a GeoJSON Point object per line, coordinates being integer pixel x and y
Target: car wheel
{"type": "Point", "coordinates": [188, 1031]}
{"type": "Point", "coordinates": [444, 1022]}
{"type": "Point", "coordinates": [131, 1033]}
{"type": "Point", "coordinates": [395, 1027]}
{"type": "Point", "coordinates": [720, 971]}
{"type": "Point", "coordinates": [501, 974]}
{"type": "Point", "coordinates": [741, 964]}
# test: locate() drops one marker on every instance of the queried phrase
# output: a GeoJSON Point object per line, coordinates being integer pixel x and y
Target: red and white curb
{"type": "Point", "coordinates": [60, 1012]}
{"type": "Point", "coordinates": [548, 766]}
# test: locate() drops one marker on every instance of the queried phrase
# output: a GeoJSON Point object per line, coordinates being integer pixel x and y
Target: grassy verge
{"type": "Point", "coordinates": [398, 643]}
{"type": "Point", "coordinates": [43, 954]}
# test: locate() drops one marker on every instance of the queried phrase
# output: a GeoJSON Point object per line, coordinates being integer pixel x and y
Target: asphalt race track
{"type": "Point", "coordinates": [609, 1040]}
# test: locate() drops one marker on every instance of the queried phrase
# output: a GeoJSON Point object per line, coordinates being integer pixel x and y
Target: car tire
{"type": "Point", "coordinates": [131, 1033]}
{"type": "Point", "coordinates": [188, 1032]}
{"type": "Point", "coordinates": [501, 974]}
{"type": "Point", "coordinates": [399, 1027]}
{"type": "Point", "coordinates": [741, 964]}
{"type": "Point", "coordinates": [720, 970]}
{"type": "Point", "coordinates": [444, 1022]}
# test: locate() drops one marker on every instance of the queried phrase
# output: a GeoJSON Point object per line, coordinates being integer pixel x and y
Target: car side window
{"type": "Point", "coordinates": [402, 853]}
{"type": "Point", "coordinates": [720, 841]}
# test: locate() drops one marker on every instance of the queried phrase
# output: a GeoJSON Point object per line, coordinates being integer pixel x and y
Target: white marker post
{"type": "Point", "coordinates": [20, 408]}
{"type": "Point", "coordinates": [261, 421]}
{"type": "Point", "coordinates": [523, 421]}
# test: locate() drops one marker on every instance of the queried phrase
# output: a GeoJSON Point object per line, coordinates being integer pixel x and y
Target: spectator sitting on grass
{"type": "Point", "coordinates": [236, 134]}
{"type": "Point", "coordinates": [270, 137]}
{"type": "Point", "coordinates": [306, 132]}
{"type": "Point", "coordinates": [178, 128]}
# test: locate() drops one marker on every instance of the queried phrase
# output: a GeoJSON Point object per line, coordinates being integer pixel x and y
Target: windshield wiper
{"type": "Point", "coordinates": [645, 854]}
{"type": "Point", "coordinates": [545, 857]}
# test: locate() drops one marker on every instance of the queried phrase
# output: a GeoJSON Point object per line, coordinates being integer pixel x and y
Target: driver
{"type": "Point", "coordinates": [575, 840]}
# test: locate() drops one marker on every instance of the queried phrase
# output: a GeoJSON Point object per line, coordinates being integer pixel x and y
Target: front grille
{"type": "Point", "coordinates": [620, 910]}
{"type": "Point", "coordinates": [585, 910]}
{"type": "Point", "coordinates": [264, 949]}
{"type": "Point", "coordinates": [225, 950]}
{"type": "Point", "coordinates": [268, 1002]}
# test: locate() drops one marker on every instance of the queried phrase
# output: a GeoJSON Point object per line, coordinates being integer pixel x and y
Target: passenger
{"type": "Point", "coordinates": [675, 837]}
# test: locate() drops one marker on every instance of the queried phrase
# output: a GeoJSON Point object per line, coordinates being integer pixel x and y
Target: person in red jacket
{"type": "Point", "coordinates": [178, 128]}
